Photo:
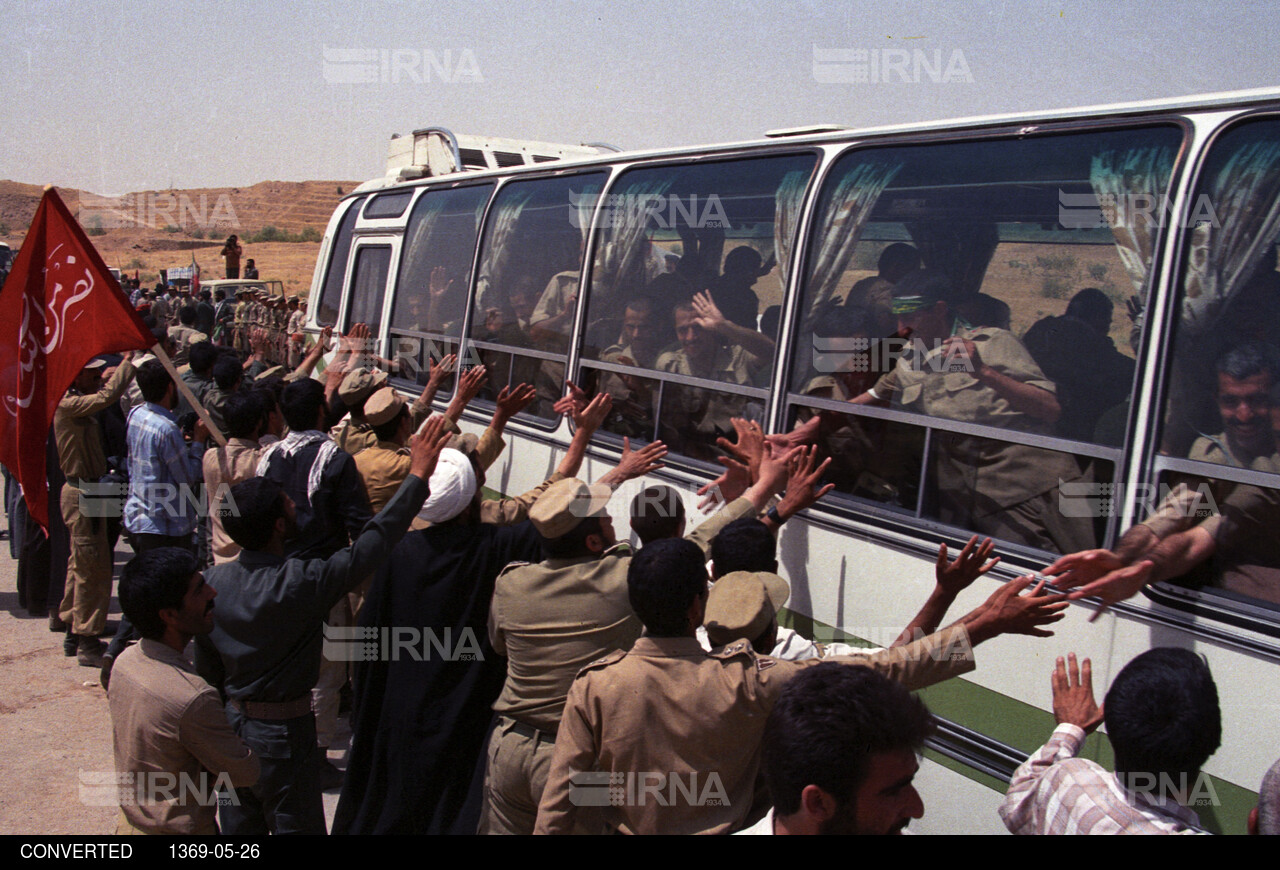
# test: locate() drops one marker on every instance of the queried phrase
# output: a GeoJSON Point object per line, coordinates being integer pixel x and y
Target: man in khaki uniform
{"type": "Point", "coordinates": [715, 348]}
{"type": "Point", "coordinates": [75, 427]}
{"type": "Point", "coordinates": [985, 376]}
{"type": "Point", "coordinates": [665, 738]}
{"type": "Point", "coordinates": [355, 434]}
{"type": "Point", "coordinates": [552, 619]}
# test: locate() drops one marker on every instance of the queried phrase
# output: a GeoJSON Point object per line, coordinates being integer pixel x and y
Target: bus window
{"type": "Point", "coordinates": [527, 286]}
{"type": "Point", "coordinates": [1222, 406]}
{"type": "Point", "coordinates": [368, 286]}
{"type": "Point", "coordinates": [957, 347]}
{"type": "Point", "coordinates": [331, 294]}
{"type": "Point", "coordinates": [688, 260]}
{"type": "Point", "coordinates": [434, 277]}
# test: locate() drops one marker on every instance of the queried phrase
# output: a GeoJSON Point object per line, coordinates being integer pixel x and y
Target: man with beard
{"type": "Point", "coordinates": [421, 715]}
{"type": "Point", "coordinates": [265, 651]}
{"type": "Point", "coordinates": [840, 751]}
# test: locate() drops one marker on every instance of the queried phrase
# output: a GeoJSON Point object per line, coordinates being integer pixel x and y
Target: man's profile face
{"type": "Point", "coordinates": [196, 616]}
{"type": "Point", "coordinates": [1245, 406]}
{"type": "Point", "coordinates": [639, 330]}
{"type": "Point", "coordinates": [886, 801]}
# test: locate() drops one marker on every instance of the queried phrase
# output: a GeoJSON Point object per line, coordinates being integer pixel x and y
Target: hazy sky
{"type": "Point", "coordinates": [121, 95]}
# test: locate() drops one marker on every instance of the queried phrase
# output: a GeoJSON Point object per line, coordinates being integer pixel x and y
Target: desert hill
{"type": "Point", "coordinates": [146, 231]}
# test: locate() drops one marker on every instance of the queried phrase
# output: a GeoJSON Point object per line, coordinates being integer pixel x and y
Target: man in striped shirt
{"type": "Point", "coordinates": [1163, 721]}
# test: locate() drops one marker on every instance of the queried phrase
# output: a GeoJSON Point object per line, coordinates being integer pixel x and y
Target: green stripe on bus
{"type": "Point", "coordinates": [1026, 727]}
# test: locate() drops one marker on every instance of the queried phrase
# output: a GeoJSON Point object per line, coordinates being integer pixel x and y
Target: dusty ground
{"type": "Point", "coordinates": [177, 225]}
{"type": "Point", "coordinates": [54, 724]}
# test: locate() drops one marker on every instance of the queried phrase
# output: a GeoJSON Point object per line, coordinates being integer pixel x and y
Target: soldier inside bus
{"type": "Point", "coordinates": [638, 345]}
{"type": "Point", "coordinates": [1213, 533]}
{"type": "Point", "coordinates": [715, 348]}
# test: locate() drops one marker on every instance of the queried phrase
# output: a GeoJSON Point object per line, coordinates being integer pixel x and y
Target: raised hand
{"type": "Point", "coordinates": [1073, 701]}
{"type": "Point", "coordinates": [513, 400]}
{"type": "Point", "coordinates": [425, 447]}
{"type": "Point", "coordinates": [955, 576]}
{"type": "Point", "coordinates": [1009, 612]}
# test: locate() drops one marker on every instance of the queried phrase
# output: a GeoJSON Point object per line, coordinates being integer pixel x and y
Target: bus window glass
{"type": "Point", "coordinates": [388, 205]}
{"type": "Point", "coordinates": [527, 286]}
{"type": "Point", "coordinates": [687, 283]}
{"type": "Point", "coordinates": [331, 294]}
{"type": "Point", "coordinates": [1222, 405]}
{"type": "Point", "coordinates": [434, 277]}
{"type": "Point", "coordinates": [369, 286]}
{"type": "Point", "coordinates": [977, 291]}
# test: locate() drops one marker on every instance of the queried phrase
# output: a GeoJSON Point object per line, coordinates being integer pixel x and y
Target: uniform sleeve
{"type": "Point", "coordinates": [86, 406]}
{"type": "Point", "coordinates": [1018, 812]}
{"type": "Point", "coordinates": [576, 752]}
{"type": "Point", "coordinates": [712, 526]}
{"type": "Point", "coordinates": [509, 511]}
{"type": "Point", "coordinates": [940, 656]}
{"type": "Point", "coordinates": [206, 734]}
{"type": "Point", "coordinates": [489, 448]}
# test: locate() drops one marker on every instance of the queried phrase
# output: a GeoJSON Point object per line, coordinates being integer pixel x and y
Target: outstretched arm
{"type": "Point", "coordinates": [952, 577]}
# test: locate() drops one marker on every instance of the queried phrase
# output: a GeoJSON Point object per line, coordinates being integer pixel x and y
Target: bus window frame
{"type": "Point", "coordinates": [579, 362]}
{"type": "Point", "coordinates": [865, 511]}
{"type": "Point", "coordinates": [1229, 608]}
{"type": "Point", "coordinates": [424, 190]}
{"type": "Point", "coordinates": [540, 424]}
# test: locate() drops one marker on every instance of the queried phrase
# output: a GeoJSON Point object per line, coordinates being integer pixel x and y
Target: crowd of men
{"type": "Point", "coordinates": [513, 666]}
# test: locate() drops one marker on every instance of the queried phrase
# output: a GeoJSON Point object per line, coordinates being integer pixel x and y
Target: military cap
{"type": "Point", "coordinates": [271, 373]}
{"type": "Point", "coordinates": [566, 503]}
{"type": "Point", "coordinates": [359, 385]}
{"type": "Point", "coordinates": [383, 406]}
{"type": "Point", "coordinates": [742, 604]}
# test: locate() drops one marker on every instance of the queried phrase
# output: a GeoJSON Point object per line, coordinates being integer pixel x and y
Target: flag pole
{"type": "Point", "coordinates": [185, 390]}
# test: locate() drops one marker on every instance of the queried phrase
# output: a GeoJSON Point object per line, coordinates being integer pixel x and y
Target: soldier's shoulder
{"type": "Point", "coordinates": [604, 661]}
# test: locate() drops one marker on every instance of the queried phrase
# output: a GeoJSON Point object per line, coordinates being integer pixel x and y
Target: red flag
{"type": "Point", "coordinates": [195, 277]}
{"type": "Point", "coordinates": [59, 309]}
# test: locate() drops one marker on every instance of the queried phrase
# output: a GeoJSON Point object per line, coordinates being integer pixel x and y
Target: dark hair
{"type": "Point", "coordinates": [657, 513]}
{"type": "Point", "coordinates": [844, 321]}
{"type": "Point", "coordinates": [829, 722]}
{"type": "Point", "coordinates": [929, 283]}
{"type": "Point", "coordinates": [387, 431]}
{"type": "Point", "coordinates": [202, 356]}
{"type": "Point", "coordinates": [153, 380]}
{"type": "Point", "coordinates": [663, 582]}
{"type": "Point", "coordinates": [302, 402]}
{"type": "Point", "coordinates": [572, 543]}
{"type": "Point", "coordinates": [1249, 359]}
{"type": "Point", "coordinates": [1090, 305]}
{"type": "Point", "coordinates": [227, 371]}
{"type": "Point", "coordinates": [187, 315]}
{"type": "Point", "coordinates": [898, 257]}
{"type": "Point", "coordinates": [152, 581]}
{"type": "Point", "coordinates": [1162, 715]}
{"type": "Point", "coordinates": [249, 511]}
{"type": "Point", "coordinates": [744, 545]}
{"type": "Point", "coordinates": [243, 412]}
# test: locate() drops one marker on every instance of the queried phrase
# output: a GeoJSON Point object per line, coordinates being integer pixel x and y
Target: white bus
{"type": "Point", "coordinates": [1167, 213]}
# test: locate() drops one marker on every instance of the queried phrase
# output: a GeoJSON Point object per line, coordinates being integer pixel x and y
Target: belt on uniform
{"type": "Point", "coordinates": [528, 730]}
{"type": "Point", "coordinates": [274, 710]}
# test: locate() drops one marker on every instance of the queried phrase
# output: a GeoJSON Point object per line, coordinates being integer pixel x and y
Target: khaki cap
{"type": "Point", "coordinates": [742, 604]}
{"type": "Point", "coordinates": [383, 406]}
{"type": "Point", "coordinates": [359, 385]}
{"type": "Point", "coordinates": [566, 503]}
{"type": "Point", "coordinates": [271, 373]}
